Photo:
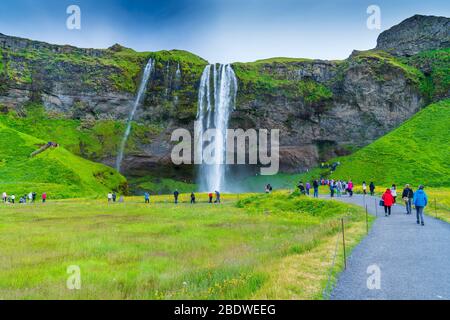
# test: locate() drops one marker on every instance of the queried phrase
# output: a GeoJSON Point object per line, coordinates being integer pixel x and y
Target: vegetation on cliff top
{"type": "Point", "coordinates": [55, 171]}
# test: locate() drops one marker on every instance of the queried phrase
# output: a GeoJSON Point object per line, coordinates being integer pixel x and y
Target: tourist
{"type": "Point", "coordinates": [420, 200]}
{"type": "Point", "coordinates": [13, 198]}
{"type": "Point", "coordinates": [316, 188]}
{"type": "Point", "coordinates": [307, 187]}
{"type": "Point", "coordinates": [34, 194]}
{"type": "Point", "coordinates": [217, 197]}
{"type": "Point", "coordinates": [30, 197]}
{"type": "Point", "coordinates": [270, 187]}
{"type": "Point", "coordinates": [364, 187]}
{"type": "Point", "coordinates": [388, 201]}
{"type": "Point", "coordinates": [4, 197]}
{"type": "Point", "coordinates": [109, 196]}
{"type": "Point", "coordinates": [372, 188]}
{"type": "Point", "coordinates": [175, 196]}
{"type": "Point", "coordinates": [121, 199]}
{"type": "Point", "coordinates": [332, 189]}
{"type": "Point", "coordinates": [394, 192]}
{"type": "Point", "coordinates": [210, 195]}
{"type": "Point", "coordinates": [350, 188]}
{"type": "Point", "coordinates": [301, 187]}
{"type": "Point", "coordinates": [146, 197]}
{"type": "Point", "coordinates": [114, 197]}
{"type": "Point", "coordinates": [192, 197]}
{"type": "Point", "coordinates": [407, 196]}
{"type": "Point", "coordinates": [267, 188]}
{"type": "Point", "coordinates": [44, 197]}
{"type": "Point", "coordinates": [339, 188]}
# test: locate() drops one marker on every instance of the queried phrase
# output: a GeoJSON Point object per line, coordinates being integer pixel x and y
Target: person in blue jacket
{"type": "Point", "coordinates": [147, 197]}
{"type": "Point", "coordinates": [420, 201]}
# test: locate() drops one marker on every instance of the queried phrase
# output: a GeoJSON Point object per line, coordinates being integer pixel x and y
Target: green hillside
{"type": "Point", "coordinates": [55, 171]}
{"type": "Point", "coordinates": [417, 152]}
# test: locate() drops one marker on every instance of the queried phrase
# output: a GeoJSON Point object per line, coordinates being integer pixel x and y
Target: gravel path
{"type": "Point", "coordinates": [414, 261]}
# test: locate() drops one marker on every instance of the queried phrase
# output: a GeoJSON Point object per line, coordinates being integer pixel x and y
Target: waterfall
{"type": "Point", "coordinates": [139, 97]}
{"type": "Point", "coordinates": [216, 100]}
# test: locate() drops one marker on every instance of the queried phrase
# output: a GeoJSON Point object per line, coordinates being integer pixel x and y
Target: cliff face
{"type": "Point", "coordinates": [322, 108]}
{"type": "Point", "coordinates": [416, 34]}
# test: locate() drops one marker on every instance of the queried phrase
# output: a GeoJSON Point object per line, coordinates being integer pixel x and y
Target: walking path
{"type": "Point", "coordinates": [414, 261]}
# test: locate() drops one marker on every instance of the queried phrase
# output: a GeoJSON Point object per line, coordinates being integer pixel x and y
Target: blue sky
{"type": "Point", "coordinates": [218, 30]}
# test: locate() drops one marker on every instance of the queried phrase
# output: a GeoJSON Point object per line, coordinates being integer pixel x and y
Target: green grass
{"type": "Point", "coordinates": [55, 171]}
{"type": "Point", "coordinates": [417, 153]}
{"type": "Point", "coordinates": [163, 251]}
{"type": "Point", "coordinates": [159, 185]}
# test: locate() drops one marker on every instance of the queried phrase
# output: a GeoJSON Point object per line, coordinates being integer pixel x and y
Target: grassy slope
{"type": "Point", "coordinates": [162, 251]}
{"type": "Point", "coordinates": [55, 171]}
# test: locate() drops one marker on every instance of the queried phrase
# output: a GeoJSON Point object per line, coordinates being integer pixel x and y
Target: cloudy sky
{"type": "Point", "coordinates": [218, 30]}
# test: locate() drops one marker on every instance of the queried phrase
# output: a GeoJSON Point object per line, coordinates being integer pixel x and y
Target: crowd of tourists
{"type": "Point", "coordinates": [26, 198]}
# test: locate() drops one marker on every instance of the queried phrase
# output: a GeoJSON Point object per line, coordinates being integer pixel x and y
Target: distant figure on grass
{"type": "Point", "coordinates": [388, 201]}
{"type": "Point", "coordinates": [372, 188]}
{"type": "Point", "coordinates": [316, 188]}
{"type": "Point", "coordinates": [146, 197]}
{"type": "Point", "coordinates": [332, 189]}
{"type": "Point", "coordinates": [110, 197]}
{"type": "Point", "coordinates": [121, 199]}
{"type": "Point", "coordinates": [192, 197]}
{"type": "Point", "coordinates": [301, 187]}
{"type": "Point", "coordinates": [307, 187]}
{"type": "Point", "coordinates": [407, 196]}
{"type": "Point", "coordinates": [114, 197]}
{"type": "Point", "coordinates": [175, 196]}
{"type": "Point", "coordinates": [266, 188]}
{"type": "Point", "coordinates": [210, 196]}
{"type": "Point", "coordinates": [217, 197]}
{"type": "Point", "coordinates": [13, 198]}
{"type": "Point", "coordinates": [33, 196]}
{"type": "Point", "coordinates": [339, 188]}
{"type": "Point", "coordinates": [30, 197]}
{"type": "Point", "coordinates": [420, 202]}
{"type": "Point", "coordinates": [350, 188]}
{"type": "Point", "coordinates": [394, 192]}
{"type": "Point", "coordinates": [364, 187]}
{"type": "Point", "coordinates": [44, 197]}
{"type": "Point", "coordinates": [4, 197]}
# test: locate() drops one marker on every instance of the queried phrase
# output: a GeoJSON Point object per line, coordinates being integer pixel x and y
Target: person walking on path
{"type": "Point", "coordinates": [388, 201]}
{"type": "Point", "coordinates": [372, 188]}
{"type": "Point", "coordinates": [109, 196]}
{"type": "Point", "coordinates": [210, 196]}
{"type": "Point", "coordinates": [44, 197]}
{"type": "Point", "coordinates": [350, 188]}
{"type": "Point", "coordinates": [147, 197]}
{"type": "Point", "coordinates": [407, 196]}
{"type": "Point", "coordinates": [394, 193]}
{"type": "Point", "coordinates": [192, 198]}
{"type": "Point", "coordinates": [114, 197]}
{"type": "Point", "coordinates": [217, 197]}
{"type": "Point", "coordinates": [364, 187]}
{"type": "Point", "coordinates": [175, 196]}
{"type": "Point", "coordinates": [316, 188]}
{"type": "Point", "coordinates": [338, 188]}
{"type": "Point", "coordinates": [332, 189]}
{"type": "Point", "coordinates": [420, 202]}
{"type": "Point", "coordinates": [307, 187]}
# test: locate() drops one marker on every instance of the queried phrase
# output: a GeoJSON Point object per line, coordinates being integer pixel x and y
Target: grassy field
{"type": "Point", "coordinates": [251, 246]}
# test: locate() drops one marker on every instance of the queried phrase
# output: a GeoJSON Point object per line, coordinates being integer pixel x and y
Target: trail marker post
{"type": "Point", "coordinates": [343, 243]}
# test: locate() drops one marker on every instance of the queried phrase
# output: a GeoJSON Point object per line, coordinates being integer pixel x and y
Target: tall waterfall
{"type": "Point", "coordinates": [140, 95]}
{"type": "Point", "coordinates": [216, 100]}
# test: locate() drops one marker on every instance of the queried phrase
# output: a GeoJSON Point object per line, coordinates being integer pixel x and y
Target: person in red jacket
{"type": "Point", "coordinates": [388, 201]}
{"type": "Point", "coordinates": [44, 197]}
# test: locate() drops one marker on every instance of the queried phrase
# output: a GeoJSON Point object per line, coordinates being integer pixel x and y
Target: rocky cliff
{"type": "Point", "coordinates": [323, 108]}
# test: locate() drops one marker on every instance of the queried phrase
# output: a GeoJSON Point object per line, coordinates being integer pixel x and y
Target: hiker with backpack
{"type": "Point", "coordinates": [407, 196]}
{"type": "Point", "coordinates": [420, 200]}
{"type": "Point", "coordinates": [387, 200]}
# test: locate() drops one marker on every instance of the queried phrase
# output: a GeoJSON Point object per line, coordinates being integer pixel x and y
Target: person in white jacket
{"type": "Point", "coordinates": [394, 192]}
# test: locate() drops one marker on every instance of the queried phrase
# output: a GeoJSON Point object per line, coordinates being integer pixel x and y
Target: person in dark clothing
{"type": "Point", "coordinates": [114, 197]}
{"type": "Point", "coordinates": [175, 196]}
{"type": "Point", "coordinates": [316, 188]}
{"type": "Point", "coordinates": [217, 197]}
{"type": "Point", "coordinates": [407, 196]}
{"type": "Point", "coordinates": [33, 196]}
{"type": "Point", "coordinates": [301, 187]}
{"type": "Point", "coordinates": [192, 197]}
{"type": "Point", "coordinates": [372, 188]}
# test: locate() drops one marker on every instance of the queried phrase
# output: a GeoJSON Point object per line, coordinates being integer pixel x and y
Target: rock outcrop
{"type": "Point", "coordinates": [416, 34]}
